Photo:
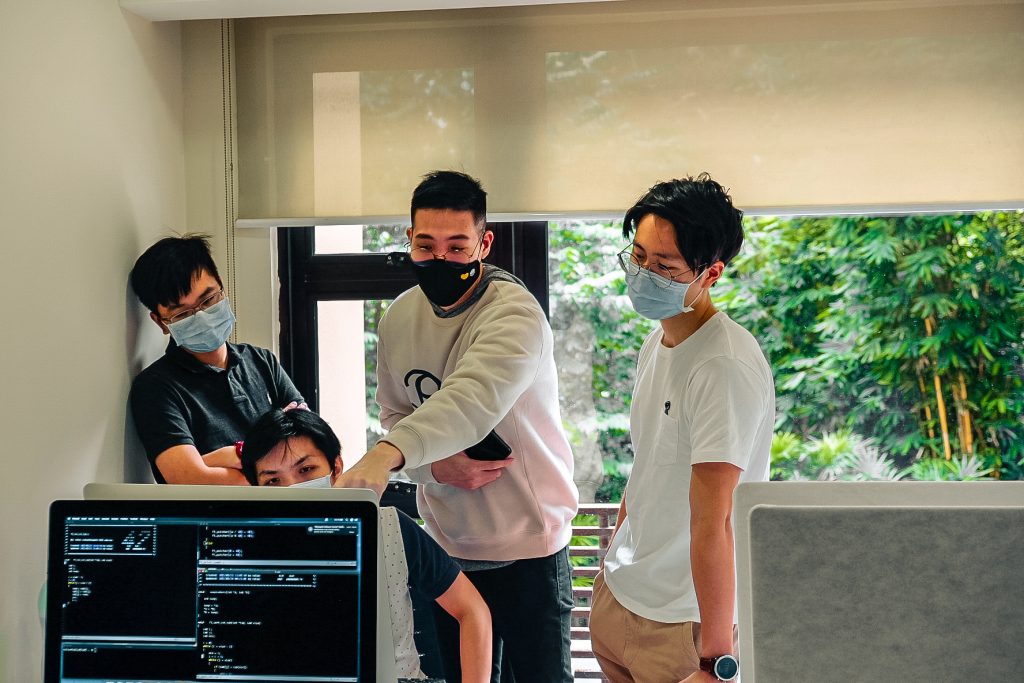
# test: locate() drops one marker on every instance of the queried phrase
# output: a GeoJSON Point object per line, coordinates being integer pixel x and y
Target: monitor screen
{"type": "Point", "coordinates": [239, 590]}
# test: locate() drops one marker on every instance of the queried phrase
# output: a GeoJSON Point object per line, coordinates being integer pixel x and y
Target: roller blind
{"type": "Point", "coordinates": [574, 109]}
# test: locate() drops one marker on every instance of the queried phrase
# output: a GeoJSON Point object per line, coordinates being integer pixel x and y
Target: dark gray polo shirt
{"type": "Point", "coordinates": [180, 401]}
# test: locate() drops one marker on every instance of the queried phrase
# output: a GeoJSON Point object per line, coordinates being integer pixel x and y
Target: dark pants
{"type": "Point", "coordinates": [530, 602]}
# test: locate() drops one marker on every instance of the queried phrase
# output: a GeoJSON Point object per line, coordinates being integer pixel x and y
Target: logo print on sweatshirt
{"type": "Point", "coordinates": [421, 377]}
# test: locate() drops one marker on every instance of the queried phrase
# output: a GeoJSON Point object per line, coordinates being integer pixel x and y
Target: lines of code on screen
{"type": "Point", "coordinates": [210, 599]}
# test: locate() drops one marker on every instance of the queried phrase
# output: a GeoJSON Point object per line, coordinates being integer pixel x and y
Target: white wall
{"type": "Point", "coordinates": [92, 170]}
{"type": "Point", "coordinates": [246, 259]}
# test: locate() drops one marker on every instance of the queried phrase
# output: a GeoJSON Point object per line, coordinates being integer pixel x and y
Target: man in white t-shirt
{"type": "Point", "coordinates": [701, 422]}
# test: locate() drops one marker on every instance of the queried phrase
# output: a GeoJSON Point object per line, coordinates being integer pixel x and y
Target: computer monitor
{"type": "Point", "coordinates": [174, 583]}
{"type": "Point", "coordinates": [880, 581]}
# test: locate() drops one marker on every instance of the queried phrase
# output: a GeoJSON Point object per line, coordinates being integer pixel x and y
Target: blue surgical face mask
{"type": "Point", "coordinates": [205, 331]}
{"type": "Point", "coordinates": [658, 299]}
{"type": "Point", "coordinates": [318, 483]}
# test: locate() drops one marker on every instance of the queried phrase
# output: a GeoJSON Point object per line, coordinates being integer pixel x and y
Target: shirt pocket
{"type": "Point", "coordinates": [666, 444]}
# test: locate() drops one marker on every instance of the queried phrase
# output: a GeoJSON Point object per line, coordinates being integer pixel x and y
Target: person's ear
{"type": "Point", "coordinates": [159, 322]}
{"type": "Point", "coordinates": [712, 274]}
{"type": "Point", "coordinates": [337, 468]}
{"type": "Point", "coordinates": [486, 241]}
{"type": "Point", "coordinates": [408, 234]}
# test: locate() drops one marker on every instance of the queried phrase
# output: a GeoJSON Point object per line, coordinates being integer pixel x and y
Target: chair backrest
{"type": "Point", "coordinates": [909, 581]}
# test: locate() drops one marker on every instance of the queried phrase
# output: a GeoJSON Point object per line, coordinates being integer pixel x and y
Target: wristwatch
{"type": "Point", "coordinates": [723, 667]}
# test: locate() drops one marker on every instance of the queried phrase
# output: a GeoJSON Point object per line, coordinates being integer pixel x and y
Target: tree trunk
{"type": "Point", "coordinates": [574, 356]}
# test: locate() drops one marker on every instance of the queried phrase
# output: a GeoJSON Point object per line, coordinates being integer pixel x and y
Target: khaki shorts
{"type": "Point", "coordinates": [632, 649]}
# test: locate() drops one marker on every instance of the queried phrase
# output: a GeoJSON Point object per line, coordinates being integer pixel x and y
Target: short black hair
{"type": "Point", "coordinates": [708, 227]}
{"type": "Point", "coordinates": [278, 425]}
{"type": "Point", "coordinates": [165, 272]}
{"type": "Point", "coordinates": [450, 190]}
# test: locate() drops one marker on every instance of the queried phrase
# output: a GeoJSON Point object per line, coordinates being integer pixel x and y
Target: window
{"type": "Point", "coordinates": [896, 342]}
{"type": "Point", "coordinates": [335, 286]}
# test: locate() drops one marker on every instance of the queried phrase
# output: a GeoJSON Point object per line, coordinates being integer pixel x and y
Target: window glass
{"type": "Point", "coordinates": [358, 239]}
{"type": "Point", "coordinates": [895, 342]}
{"type": "Point", "coordinates": [347, 343]}
{"type": "Point", "coordinates": [597, 337]}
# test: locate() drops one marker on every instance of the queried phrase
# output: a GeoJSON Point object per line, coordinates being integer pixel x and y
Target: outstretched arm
{"type": "Point", "coordinates": [507, 347]}
{"type": "Point", "coordinates": [464, 603]}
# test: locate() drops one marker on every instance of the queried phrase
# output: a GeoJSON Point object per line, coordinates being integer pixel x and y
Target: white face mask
{"type": "Point", "coordinates": [205, 331]}
{"type": "Point", "coordinates": [656, 297]}
{"type": "Point", "coordinates": [318, 483]}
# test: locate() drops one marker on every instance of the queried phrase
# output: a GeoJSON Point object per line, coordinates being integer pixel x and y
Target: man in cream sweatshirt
{"type": "Point", "coordinates": [476, 343]}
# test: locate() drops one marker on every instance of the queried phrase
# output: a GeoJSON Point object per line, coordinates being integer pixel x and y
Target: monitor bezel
{"type": "Point", "coordinates": [258, 507]}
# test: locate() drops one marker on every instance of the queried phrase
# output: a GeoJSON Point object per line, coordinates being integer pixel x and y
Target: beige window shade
{"type": "Point", "coordinates": [578, 108]}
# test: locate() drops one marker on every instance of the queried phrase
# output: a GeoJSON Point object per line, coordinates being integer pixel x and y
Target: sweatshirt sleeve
{"type": "Point", "coordinates": [505, 349]}
{"type": "Point", "coordinates": [420, 475]}
{"type": "Point", "coordinates": [393, 402]}
{"type": "Point", "coordinates": [390, 397]}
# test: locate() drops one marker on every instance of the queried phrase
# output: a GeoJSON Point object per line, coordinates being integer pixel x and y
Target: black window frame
{"type": "Point", "coordinates": [306, 278]}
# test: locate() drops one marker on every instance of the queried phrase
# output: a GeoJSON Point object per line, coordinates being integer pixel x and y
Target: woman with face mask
{"type": "Point", "coordinates": [700, 421]}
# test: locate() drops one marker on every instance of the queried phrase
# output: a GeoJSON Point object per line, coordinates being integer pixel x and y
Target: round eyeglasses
{"type": "Point", "coordinates": [208, 302]}
{"type": "Point", "coordinates": [665, 277]}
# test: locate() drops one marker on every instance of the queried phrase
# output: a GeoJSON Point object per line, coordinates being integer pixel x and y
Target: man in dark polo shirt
{"type": "Point", "coordinates": [192, 405]}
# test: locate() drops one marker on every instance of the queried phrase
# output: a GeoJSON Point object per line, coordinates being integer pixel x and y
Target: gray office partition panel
{"type": "Point", "coordinates": [903, 581]}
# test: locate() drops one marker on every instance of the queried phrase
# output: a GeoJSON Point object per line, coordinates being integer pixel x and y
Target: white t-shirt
{"type": "Point", "coordinates": [396, 572]}
{"type": "Point", "coordinates": [709, 399]}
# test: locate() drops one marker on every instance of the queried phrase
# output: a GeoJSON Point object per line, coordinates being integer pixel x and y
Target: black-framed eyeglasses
{"type": "Point", "coordinates": [660, 274]}
{"type": "Point", "coordinates": [187, 313]}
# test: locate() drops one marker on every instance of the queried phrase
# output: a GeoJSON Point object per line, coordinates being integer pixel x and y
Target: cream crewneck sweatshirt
{"type": "Point", "coordinates": [490, 367]}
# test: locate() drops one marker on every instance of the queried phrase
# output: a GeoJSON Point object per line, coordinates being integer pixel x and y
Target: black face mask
{"type": "Point", "coordinates": [444, 282]}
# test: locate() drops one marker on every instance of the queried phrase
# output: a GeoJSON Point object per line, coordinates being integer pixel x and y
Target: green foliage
{"type": "Point", "coordinates": [840, 455]}
{"type": "Point", "coordinates": [786, 454]}
{"type": "Point", "coordinates": [868, 321]}
{"type": "Point", "coordinates": [584, 272]}
{"type": "Point", "coordinates": [967, 468]}
{"type": "Point", "coordinates": [376, 238]}
{"type": "Point", "coordinates": [586, 541]}
{"type": "Point", "coordinates": [614, 484]}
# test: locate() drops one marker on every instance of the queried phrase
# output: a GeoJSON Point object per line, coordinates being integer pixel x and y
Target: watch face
{"type": "Point", "coordinates": [726, 668]}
